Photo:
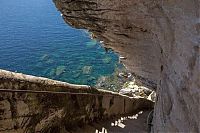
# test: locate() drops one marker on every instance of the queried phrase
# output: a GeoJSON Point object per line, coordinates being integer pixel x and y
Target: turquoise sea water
{"type": "Point", "coordinates": [35, 40]}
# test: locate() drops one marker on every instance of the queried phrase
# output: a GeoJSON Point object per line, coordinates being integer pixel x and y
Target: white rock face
{"type": "Point", "coordinates": [152, 96]}
{"type": "Point", "coordinates": [160, 43]}
{"type": "Point", "coordinates": [133, 90]}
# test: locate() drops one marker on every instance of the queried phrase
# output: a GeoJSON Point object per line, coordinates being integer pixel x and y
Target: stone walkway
{"type": "Point", "coordinates": [131, 124]}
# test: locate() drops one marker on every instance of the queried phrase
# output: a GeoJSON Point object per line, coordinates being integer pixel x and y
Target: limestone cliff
{"type": "Point", "coordinates": [159, 40]}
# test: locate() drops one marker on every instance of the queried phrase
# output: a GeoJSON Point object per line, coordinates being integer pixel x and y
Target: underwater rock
{"type": "Point", "coordinates": [113, 82]}
{"type": "Point", "coordinates": [91, 43]}
{"type": "Point", "coordinates": [46, 71]}
{"type": "Point", "coordinates": [60, 70]}
{"type": "Point", "coordinates": [49, 61]}
{"type": "Point", "coordinates": [52, 72]}
{"type": "Point", "coordinates": [45, 57]}
{"type": "Point", "coordinates": [91, 79]}
{"type": "Point", "coordinates": [107, 60]}
{"type": "Point", "coordinates": [101, 81]}
{"type": "Point", "coordinates": [103, 53]}
{"type": "Point", "coordinates": [76, 75]}
{"type": "Point", "coordinates": [87, 69]}
{"type": "Point", "coordinates": [39, 64]}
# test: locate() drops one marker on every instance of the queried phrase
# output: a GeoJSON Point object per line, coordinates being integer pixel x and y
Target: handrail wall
{"type": "Point", "coordinates": [36, 104]}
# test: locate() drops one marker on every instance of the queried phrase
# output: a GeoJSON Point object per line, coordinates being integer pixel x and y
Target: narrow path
{"type": "Point", "coordinates": [131, 124]}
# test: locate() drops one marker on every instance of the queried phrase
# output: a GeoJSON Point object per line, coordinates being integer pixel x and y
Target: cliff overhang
{"type": "Point", "coordinates": [160, 43]}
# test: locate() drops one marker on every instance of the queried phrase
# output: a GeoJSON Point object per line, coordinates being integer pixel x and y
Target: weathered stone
{"type": "Point", "coordinates": [38, 104]}
{"type": "Point", "coordinates": [7, 124]}
{"type": "Point", "coordinates": [146, 90]}
{"type": "Point", "coordinates": [5, 111]}
{"type": "Point", "coordinates": [22, 108]}
{"type": "Point", "coordinates": [152, 96]}
{"type": "Point", "coordinates": [135, 91]}
{"type": "Point", "coordinates": [160, 43]}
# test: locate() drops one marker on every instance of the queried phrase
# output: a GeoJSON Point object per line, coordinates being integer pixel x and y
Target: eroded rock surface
{"type": "Point", "coordinates": [159, 42]}
{"type": "Point", "coordinates": [30, 104]}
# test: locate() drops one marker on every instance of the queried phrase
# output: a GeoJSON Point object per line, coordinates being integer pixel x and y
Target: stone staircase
{"type": "Point", "coordinates": [36, 104]}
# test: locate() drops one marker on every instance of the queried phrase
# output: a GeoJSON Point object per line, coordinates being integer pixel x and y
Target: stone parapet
{"type": "Point", "coordinates": [36, 104]}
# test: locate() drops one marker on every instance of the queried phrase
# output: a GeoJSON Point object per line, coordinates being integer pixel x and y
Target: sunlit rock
{"type": "Point", "coordinates": [146, 90]}
{"type": "Point", "coordinates": [131, 89]}
{"type": "Point", "coordinates": [152, 96]}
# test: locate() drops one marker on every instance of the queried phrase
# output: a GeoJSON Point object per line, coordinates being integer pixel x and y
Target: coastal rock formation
{"type": "Point", "coordinates": [132, 90]}
{"type": "Point", "coordinates": [159, 42]}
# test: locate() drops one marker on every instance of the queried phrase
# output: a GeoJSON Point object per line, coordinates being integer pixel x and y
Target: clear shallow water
{"type": "Point", "coordinates": [35, 40]}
